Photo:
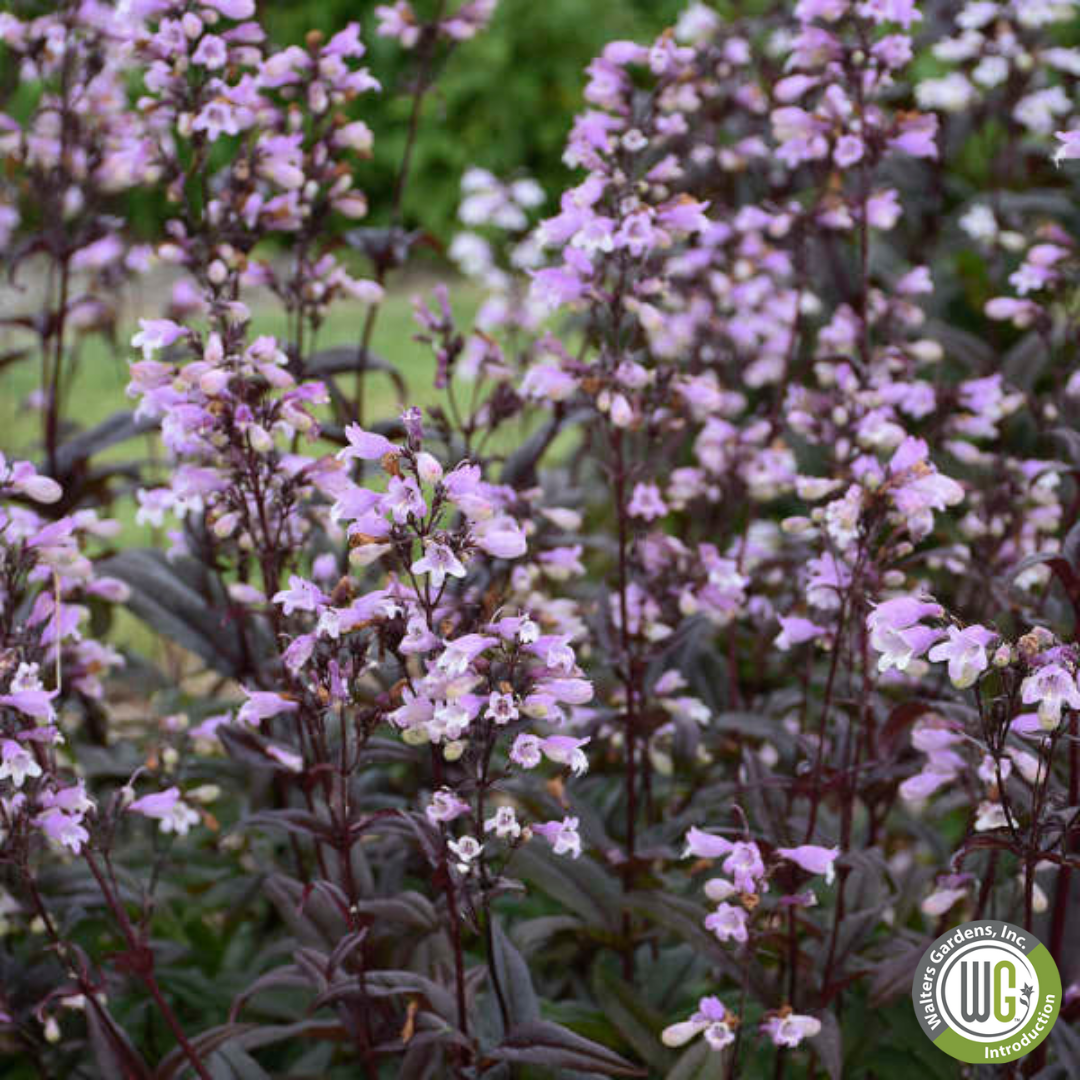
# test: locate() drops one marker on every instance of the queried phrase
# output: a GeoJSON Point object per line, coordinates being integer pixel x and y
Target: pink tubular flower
{"type": "Point", "coordinates": [445, 806]}
{"type": "Point", "coordinates": [33, 702]}
{"type": "Point", "coordinates": [1053, 687]}
{"type": "Point", "coordinates": [287, 759]}
{"type": "Point", "coordinates": [299, 652]}
{"type": "Point", "coordinates": [69, 800]}
{"type": "Point", "coordinates": [155, 334]}
{"type": "Point", "coordinates": [899, 647]}
{"type": "Point", "coordinates": [1022, 313]}
{"type": "Point", "coordinates": [263, 705]}
{"type": "Point", "coordinates": [924, 783]}
{"type": "Point", "coordinates": [745, 866]}
{"type": "Point", "coordinates": [504, 823]}
{"type": "Point", "coordinates": [849, 150]}
{"type": "Point", "coordinates": [796, 630]}
{"type": "Point", "coordinates": [23, 477]}
{"type": "Point", "coordinates": [710, 1019]}
{"type": "Point", "coordinates": [706, 846]}
{"type": "Point", "coordinates": [460, 653]}
{"type": "Point", "coordinates": [64, 829]}
{"type": "Point", "coordinates": [301, 595]}
{"type": "Point", "coordinates": [827, 10]}
{"type": "Point", "coordinates": [500, 537]}
{"type": "Point", "coordinates": [902, 612]}
{"type": "Point", "coordinates": [365, 445]}
{"type": "Point", "coordinates": [439, 562]}
{"type": "Point", "coordinates": [567, 691]}
{"type": "Point", "coordinates": [468, 492]}
{"type": "Point", "coordinates": [526, 751]}
{"type": "Point", "coordinates": [918, 487]}
{"type": "Point", "coordinates": [168, 809]}
{"type": "Point", "coordinates": [403, 499]}
{"type": "Point", "coordinates": [398, 21]}
{"type": "Point", "coordinates": [466, 850]}
{"type": "Point", "coordinates": [212, 52]}
{"type": "Point", "coordinates": [418, 637]}
{"type": "Point", "coordinates": [234, 9]}
{"type": "Point", "coordinates": [646, 502]}
{"type": "Point", "coordinates": [17, 763]}
{"type": "Point", "coordinates": [948, 893]}
{"type": "Point", "coordinates": [742, 859]}
{"type": "Point", "coordinates": [813, 859]}
{"type": "Point", "coordinates": [789, 1029]}
{"type": "Point", "coordinates": [545, 381]}
{"type": "Point", "coordinates": [965, 652]}
{"type": "Point", "coordinates": [896, 633]}
{"type": "Point", "coordinates": [502, 708]}
{"type": "Point", "coordinates": [728, 923]}
{"type": "Point", "coordinates": [562, 835]}
{"type": "Point", "coordinates": [904, 12]}
{"type": "Point", "coordinates": [566, 750]}
{"type": "Point", "coordinates": [917, 136]}
{"type": "Point", "coordinates": [1069, 148]}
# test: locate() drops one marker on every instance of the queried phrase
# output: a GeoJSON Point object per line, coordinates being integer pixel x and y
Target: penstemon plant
{"type": "Point", "coordinates": [638, 689]}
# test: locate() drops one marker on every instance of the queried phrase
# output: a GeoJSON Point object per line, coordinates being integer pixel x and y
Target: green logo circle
{"type": "Point", "coordinates": [987, 992]}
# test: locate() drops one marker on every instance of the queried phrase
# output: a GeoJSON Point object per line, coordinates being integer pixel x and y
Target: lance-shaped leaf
{"type": "Point", "coordinates": [515, 981]}
{"type": "Point", "coordinates": [392, 984]}
{"type": "Point", "coordinates": [556, 1047]}
{"type": "Point", "coordinates": [185, 604]}
{"type": "Point", "coordinates": [112, 431]}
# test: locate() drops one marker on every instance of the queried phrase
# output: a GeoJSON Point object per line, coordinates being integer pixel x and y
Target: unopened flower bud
{"type": "Point", "coordinates": [260, 439]}
{"type": "Point", "coordinates": [225, 525]}
{"type": "Point", "coordinates": [73, 202]}
{"type": "Point", "coordinates": [622, 414]}
{"type": "Point", "coordinates": [428, 468]}
{"type": "Point", "coordinates": [41, 489]}
{"type": "Point", "coordinates": [926, 351]}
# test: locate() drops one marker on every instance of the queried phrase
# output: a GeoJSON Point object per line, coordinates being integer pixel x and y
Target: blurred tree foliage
{"type": "Point", "coordinates": [504, 101]}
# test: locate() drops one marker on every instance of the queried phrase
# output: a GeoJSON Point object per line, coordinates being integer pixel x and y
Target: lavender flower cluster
{"type": "Point", "coordinates": [743, 530]}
